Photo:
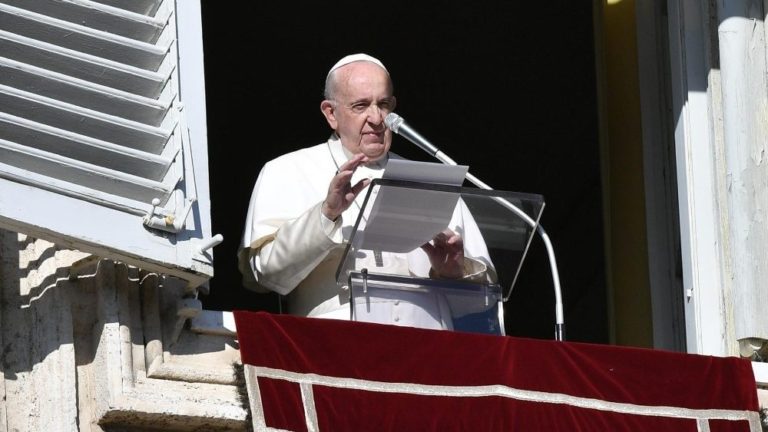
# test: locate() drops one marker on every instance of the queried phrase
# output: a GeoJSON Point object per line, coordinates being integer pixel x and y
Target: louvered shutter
{"type": "Point", "coordinates": [102, 113]}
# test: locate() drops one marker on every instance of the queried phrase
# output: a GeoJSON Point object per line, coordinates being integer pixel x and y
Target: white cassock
{"type": "Point", "coordinates": [290, 247]}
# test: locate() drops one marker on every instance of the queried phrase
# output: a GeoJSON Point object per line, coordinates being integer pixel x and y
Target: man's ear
{"type": "Point", "coordinates": [329, 111]}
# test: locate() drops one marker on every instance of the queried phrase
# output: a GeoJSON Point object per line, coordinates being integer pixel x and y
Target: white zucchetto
{"type": "Point", "coordinates": [356, 57]}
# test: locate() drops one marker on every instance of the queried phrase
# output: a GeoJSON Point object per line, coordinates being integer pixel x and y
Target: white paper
{"type": "Point", "coordinates": [425, 172]}
{"type": "Point", "coordinates": [402, 219]}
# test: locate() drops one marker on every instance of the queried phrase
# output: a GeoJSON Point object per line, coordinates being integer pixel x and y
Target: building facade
{"type": "Point", "coordinates": [106, 238]}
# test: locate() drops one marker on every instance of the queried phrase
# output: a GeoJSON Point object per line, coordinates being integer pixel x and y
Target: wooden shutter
{"type": "Point", "coordinates": [96, 103]}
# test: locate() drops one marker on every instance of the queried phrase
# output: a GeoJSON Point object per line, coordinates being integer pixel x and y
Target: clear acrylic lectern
{"type": "Point", "coordinates": [390, 277]}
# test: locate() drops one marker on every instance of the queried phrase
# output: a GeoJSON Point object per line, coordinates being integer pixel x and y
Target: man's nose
{"type": "Point", "coordinates": [375, 114]}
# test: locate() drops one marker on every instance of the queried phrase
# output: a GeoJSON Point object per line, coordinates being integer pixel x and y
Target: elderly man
{"type": "Point", "coordinates": [305, 203]}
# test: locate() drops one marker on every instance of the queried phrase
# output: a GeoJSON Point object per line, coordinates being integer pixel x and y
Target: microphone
{"type": "Point", "coordinates": [397, 125]}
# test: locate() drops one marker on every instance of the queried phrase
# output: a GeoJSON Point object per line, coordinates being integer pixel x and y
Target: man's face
{"type": "Point", "coordinates": [363, 97]}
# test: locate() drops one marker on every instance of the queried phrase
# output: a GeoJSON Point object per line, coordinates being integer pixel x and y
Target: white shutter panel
{"type": "Point", "coordinates": [93, 129]}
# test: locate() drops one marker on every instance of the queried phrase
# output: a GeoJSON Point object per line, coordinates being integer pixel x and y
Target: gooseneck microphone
{"type": "Point", "coordinates": [397, 125]}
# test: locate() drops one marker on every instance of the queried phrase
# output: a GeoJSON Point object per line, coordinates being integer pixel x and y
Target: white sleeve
{"type": "Point", "coordinates": [286, 235]}
{"type": "Point", "coordinates": [297, 248]}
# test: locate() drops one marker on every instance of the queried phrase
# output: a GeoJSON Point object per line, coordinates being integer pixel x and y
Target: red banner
{"type": "Point", "coordinates": [308, 374]}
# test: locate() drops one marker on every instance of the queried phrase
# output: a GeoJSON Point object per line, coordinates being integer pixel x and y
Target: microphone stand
{"type": "Point", "coordinates": [442, 157]}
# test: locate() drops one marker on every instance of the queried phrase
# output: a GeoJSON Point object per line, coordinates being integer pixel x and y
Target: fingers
{"type": "Point", "coordinates": [353, 163]}
{"type": "Point", "coordinates": [350, 193]}
{"type": "Point", "coordinates": [446, 254]}
{"type": "Point", "coordinates": [444, 244]}
{"type": "Point", "coordinates": [343, 177]}
{"type": "Point", "coordinates": [359, 186]}
{"type": "Point", "coordinates": [448, 238]}
{"type": "Point", "coordinates": [341, 193]}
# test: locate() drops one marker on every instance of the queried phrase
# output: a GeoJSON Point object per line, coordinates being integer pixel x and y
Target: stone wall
{"type": "Point", "coordinates": [95, 345]}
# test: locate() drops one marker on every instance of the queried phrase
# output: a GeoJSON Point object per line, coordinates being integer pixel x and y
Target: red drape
{"type": "Point", "coordinates": [370, 377]}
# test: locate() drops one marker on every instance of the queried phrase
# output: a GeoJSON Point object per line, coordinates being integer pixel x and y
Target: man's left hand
{"type": "Point", "coordinates": [446, 254]}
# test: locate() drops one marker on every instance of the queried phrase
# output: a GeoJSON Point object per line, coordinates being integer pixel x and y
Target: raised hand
{"type": "Point", "coordinates": [341, 193]}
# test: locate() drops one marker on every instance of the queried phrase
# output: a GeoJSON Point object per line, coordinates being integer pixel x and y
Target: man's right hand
{"type": "Point", "coordinates": [341, 193]}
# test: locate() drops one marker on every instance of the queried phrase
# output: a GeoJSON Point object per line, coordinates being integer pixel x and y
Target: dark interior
{"type": "Point", "coordinates": [508, 88]}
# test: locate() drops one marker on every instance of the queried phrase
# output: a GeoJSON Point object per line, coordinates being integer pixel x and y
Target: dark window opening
{"type": "Point", "coordinates": [507, 88]}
